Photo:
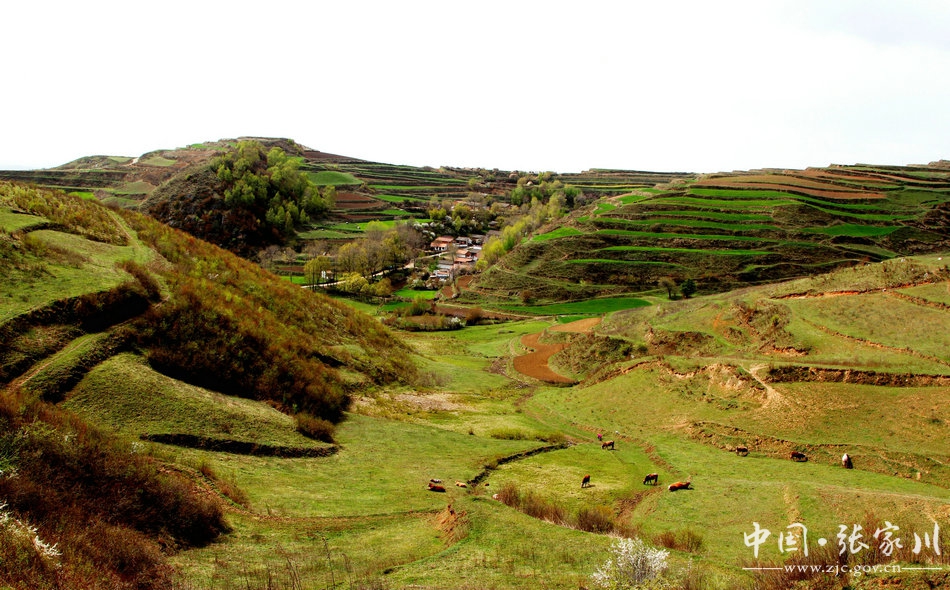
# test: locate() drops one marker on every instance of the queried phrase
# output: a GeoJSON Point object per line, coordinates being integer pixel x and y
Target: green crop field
{"type": "Point", "coordinates": [739, 204]}
{"type": "Point", "coordinates": [592, 306]}
{"type": "Point", "coordinates": [937, 293]}
{"type": "Point", "coordinates": [11, 222]}
{"type": "Point", "coordinates": [332, 177]}
{"type": "Point", "coordinates": [413, 293]}
{"type": "Point", "coordinates": [733, 252]}
{"type": "Point", "coordinates": [669, 235]}
{"type": "Point", "coordinates": [558, 233]}
{"type": "Point", "coordinates": [134, 188]}
{"type": "Point", "coordinates": [160, 161]}
{"type": "Point", "coordinates": [662, 219]}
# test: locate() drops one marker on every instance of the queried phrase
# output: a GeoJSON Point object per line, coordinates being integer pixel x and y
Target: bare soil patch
{"type": "Point", "coordinates": [535, 364]}
{"type": "Point", "coordinates": [580, 326]}
{"type": "Point", "coordinates": [346, 200]}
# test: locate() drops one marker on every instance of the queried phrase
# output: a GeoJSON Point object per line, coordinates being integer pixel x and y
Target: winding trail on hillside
{"type": "Point", "coordinates": [15, 385]}
{"type": "Point", "coordinates": [772, 396]}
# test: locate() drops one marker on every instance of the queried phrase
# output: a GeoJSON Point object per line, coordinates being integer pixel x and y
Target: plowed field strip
{"type": "Point", "coordinates": [535, 364]}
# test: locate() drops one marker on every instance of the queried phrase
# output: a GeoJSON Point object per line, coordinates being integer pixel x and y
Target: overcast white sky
{"type": "Point", "coordinates": [695, 86]}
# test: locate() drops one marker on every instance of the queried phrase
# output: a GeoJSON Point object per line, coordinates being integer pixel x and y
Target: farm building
{"type": "Point", "coordinates": [442, 243]}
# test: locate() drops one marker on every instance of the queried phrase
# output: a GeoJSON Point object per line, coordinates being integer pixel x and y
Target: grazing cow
{"type": "Point", "coordinates": [796, 456]}
{"type": "Point", "coordinates": [680, 485]}
{"type": "Point", "coordinates": [435, 487]}
{"type": "Point", "coordinates": [586, 481]}
{"type": "Point", "coordinates": [607, 445]}
{"type": "Point", "coordinates": [846, 462]}
{"type": "Point", "coordinates": [742, 451]}
{"type": "Point", "coordinates": [653, 478]}
{"type": "Point", "coordinates": [461, 484]}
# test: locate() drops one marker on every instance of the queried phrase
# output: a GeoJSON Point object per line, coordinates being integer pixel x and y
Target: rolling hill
{"type": "Point", "coordinates": [113, 323]}
{"type": "Point", "coordinates": [173, 416]}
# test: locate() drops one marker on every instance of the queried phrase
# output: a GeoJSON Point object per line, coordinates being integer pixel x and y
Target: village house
{"type": "Point", "coordinates": [442, 243]}
{"type": "Point", "coordinates": [465, 258]}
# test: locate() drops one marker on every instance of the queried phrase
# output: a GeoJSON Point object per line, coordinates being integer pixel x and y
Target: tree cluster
{"type": "Point", "coordinates": [379, 249]}
{"type": "Point", "coordinates": [543, 188]}
{"type": "Point", "coordinates": [244, 200]}
{"type": "Point", "coordinates": [529, 218]}
{"type": "Point", "coordinates": [269, 183]}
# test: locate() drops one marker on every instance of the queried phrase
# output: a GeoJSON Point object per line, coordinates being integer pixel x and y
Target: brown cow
{"type": "Point", "coordinates": [652, 478]}
{"type": "Point", "coordinates": [436, 488]}
{"type": "Point", "coordinates": [461, 484]}
{"type": "Point", "coordinates": [742, 451]}
{"type": "Point", "coordinates": [586, 481]}
{"type": "Point", "coordinates": [846, 462]}
{"type": "Point", "coordinates": [607, 445]}
{"type": "Point", "coordinates": [796, 456]}
{"type": "Point", "coordinates": [680, 485]}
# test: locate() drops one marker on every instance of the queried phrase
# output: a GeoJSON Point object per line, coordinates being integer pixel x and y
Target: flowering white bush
{"type": "Point", "coordinates": [23, 530]}
{"type": "Point", "coordinates": [632, 565]}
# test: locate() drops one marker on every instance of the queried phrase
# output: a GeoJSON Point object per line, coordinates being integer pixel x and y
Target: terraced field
{"type": "Point", "coordinates": [727, 231]}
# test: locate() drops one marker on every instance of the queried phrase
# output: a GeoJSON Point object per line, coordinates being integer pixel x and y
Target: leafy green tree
{"type": "Point", "coordinates": [316, 268]}
{"type": "Point", "coordinates": [383, 288]}
{"type": "Point", "coordinates": [351, 258]}
{"type": "Point", "coordinates": [270, 185]}
{"type": "Point", "coordinates": [688, 288]}
{"type": "Point", "coordinates": [353, 282]}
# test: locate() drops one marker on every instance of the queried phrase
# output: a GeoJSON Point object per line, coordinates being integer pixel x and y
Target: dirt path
{"type": "Point", "coordinates": [773, 397]}
{"type": "Point", "coordinates": [14, 385]}
{"type": "Point", "coordinates": [535, 364]}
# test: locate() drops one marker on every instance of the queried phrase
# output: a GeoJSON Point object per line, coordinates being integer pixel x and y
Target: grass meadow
{"type": "Point", "coordinates": [66, 265]}
{"type": "Point", "coordinates": [675, 416]}
{"type": "Point", "coordinates": [332, 177]}
{"type": "Point", "coordinates": [677, 385]}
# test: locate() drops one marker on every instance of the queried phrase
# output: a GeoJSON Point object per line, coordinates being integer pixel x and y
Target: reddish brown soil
{"type": "Point", "coordinates": [357, 201]}
{"type": "Point", "coordinates": [535, 364]}
{"type": "Point", "coordinates": [580, 326]}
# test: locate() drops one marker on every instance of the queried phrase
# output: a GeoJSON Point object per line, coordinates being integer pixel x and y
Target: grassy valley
{"type": "Point", "coordinates": [253, 434]}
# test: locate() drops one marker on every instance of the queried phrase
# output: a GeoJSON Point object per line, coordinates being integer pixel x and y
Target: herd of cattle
{"type": "Point", "coordinates": [653, 478]}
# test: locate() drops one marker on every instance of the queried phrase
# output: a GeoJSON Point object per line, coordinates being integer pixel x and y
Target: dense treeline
{"type": "Point", "coordinates": [244, 200]}
{"type": "Point", "coordinates": [270, 182]}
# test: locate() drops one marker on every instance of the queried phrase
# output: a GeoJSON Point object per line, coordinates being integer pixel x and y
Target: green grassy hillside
{"type": "Point", "coordinates": [117, 329]}
{"type": "Point", "coordinates": [194, 388]}
{"type": "Point", "coordinates": [727, 231]}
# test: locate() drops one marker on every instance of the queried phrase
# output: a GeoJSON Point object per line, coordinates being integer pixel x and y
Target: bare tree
{"type": "Point", "coordinates": [669, 284]}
